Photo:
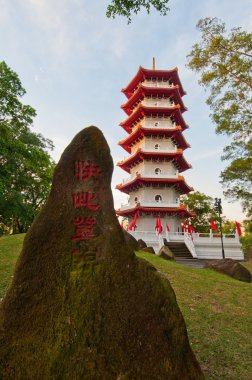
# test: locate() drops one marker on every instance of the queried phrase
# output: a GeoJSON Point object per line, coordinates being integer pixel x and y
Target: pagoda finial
{"type": "Point", "coordinates": [153, 64]}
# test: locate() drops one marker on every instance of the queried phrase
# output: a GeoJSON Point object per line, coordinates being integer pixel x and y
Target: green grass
{"type": "Point", "coordinates": [218, 314]}
{"type": "Point", "coordinates": [248, 265]}
{"type": "Point", "coordinates": [10, 247]}
{"type": "Point", "coordinates": [216, 308]}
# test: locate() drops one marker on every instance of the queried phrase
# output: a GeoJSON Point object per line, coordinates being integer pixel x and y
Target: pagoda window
{"type": "Point", "coordinates": [157, 171]}
{"type": "Point", "coordinates": [156, 124]}
{"type": "Point", "coordinates": [158, 198]}
{"type": "Point", "coordinates": [157, 146]}
{"type": "Point", "coordinates": [156, 104]}
{"type": "Point", "coordinates": [136, 200]}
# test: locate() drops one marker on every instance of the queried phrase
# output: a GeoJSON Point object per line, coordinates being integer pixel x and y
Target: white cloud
{"type": "Point", "coordinates": [209, 153]}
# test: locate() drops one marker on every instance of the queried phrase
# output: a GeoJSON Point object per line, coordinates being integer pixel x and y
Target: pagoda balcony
{"type": "Point", "coordinates": [145, 204]}
{"type": "Point", "coordinates": [160, 84]}
{"type": "Point", "coordinates": [157, 103]}
{"type": "Point", "coordinates": [151, 150]}
{"type": "Point", "coordinates": [148, 150]}
{"type": "Point", "coordinates": [161, 176]}
{"type": "Point", "coordinates": [156, 125]}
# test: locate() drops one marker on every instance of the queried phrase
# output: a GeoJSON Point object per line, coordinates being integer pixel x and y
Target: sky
{"type": "Point", "coordinates": [73, 63]}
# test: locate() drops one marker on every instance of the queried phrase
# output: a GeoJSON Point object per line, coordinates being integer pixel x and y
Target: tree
{"type": "Point", "coordinates": [127, 7]}
{"type": "Point", "coordinates": [203, 208]}
{"type": "Point", "coordinates": [225, 64]}
{"type": "Point", "coordinates": [25, 165]}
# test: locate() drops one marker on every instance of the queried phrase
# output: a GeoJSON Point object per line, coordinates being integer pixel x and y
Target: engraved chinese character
{"type": "Point", "coordinates": [86, 169]}
{"type": "Point", "coordinates": [84, 229]}
{"type": "Point", "coordinates": [84, 199]}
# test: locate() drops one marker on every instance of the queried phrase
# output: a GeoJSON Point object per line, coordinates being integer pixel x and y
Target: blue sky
{"type": "Point", "coordinates": [73, 62]}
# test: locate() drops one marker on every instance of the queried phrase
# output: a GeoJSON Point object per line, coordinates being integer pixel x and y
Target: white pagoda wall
{"type": "Point", "coordinates": [148, 168]}
{"type": "Point", "coordinates": [157, 83]}
{"type": "Point", "coordinates": [146, 196]}
{"type": "Point", "coordinates": [162, 122]}
{"type": "Point", "coordinates": [165, 144]}
{"type": "Point", "coordinates": [157, 102]}
{"type": "Point", "coordinates": [148, 223]}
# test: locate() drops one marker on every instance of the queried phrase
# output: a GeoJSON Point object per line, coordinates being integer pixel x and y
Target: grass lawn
{"type": "Point", "coordinates": [216, 308]}
{"type": "Point", "coordinates": [218, 315]}
{"type": "Point", "coordinates": [10, 247]}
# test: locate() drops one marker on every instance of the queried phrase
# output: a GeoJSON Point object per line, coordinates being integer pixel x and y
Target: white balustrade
{"type": "Point", "coordinates": [149, 204]}
{"type": "Point", "coordinates": [157, 103]}
{"type": "Point", "coordinates": [151, 175]}
{"type": "Point", "coordinates": [167, 125]}
{"type": "Point", "coordinates": [157, 84]}
{"type": "Point", "coordinates": [189, 243]}
{"type": "Point", "coordinates": [153, 150]}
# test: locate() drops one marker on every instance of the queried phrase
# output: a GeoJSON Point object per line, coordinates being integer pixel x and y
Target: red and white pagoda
{"type": "Point", "coordinates": [156, 145]}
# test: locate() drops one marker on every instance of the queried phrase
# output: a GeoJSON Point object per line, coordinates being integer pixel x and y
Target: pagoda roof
{"type": "Point", "coordinates": [142, 111]}
{"type": "Point", "coordinates": [140, 132]}
{"type": "Point", "coordinates": [139, 181]}
{"type": "Point", "coordinates": [143, 74]}
{"type": "Point", "coordinates": [171, 92]}
{"type": "Point", "coordinates": [181, 210]}
{"type": "Point", "coordinates": [177, 158]}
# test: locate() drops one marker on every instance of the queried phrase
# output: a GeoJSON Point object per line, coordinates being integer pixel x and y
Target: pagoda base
{"type": "Point", "coordinates": [204, 246]}
{"type": "Point", "coordinates": [147, 223]}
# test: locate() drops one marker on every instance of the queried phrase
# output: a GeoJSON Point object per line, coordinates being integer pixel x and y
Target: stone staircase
{"type": "Point", "coordinates": [183, 255]}
{"type": "Point", "coordinates": [179, 249]}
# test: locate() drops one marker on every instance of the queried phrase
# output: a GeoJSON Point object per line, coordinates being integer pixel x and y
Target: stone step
{"type": "Point", "coordinates": [179, 249]}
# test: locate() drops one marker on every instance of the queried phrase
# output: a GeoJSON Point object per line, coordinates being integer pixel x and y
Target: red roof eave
{"type": "Point", "coordinates": [139, 155]}
{"type": "Point", "coordinates": [145, 90]}
{"type": "Point", "coordinates": [141, 111]}
{"type": "Point", "coordinates": [179, 182]}
{"type": "Point", "coordinates": [140, 132]}
{"type": "Point", "coordinates": [182, 211]}
{"type": "Point", "coordinates": [147, 73]}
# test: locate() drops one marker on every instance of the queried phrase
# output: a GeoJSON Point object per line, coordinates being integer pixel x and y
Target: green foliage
{"type": "Point", "coordinates": [127, 7]}
{"type": "Point", "coordinates": [224, 62]}
{"type": "Point", "coordinates": [237, 178]}
{"type": "Point", "coordinates": [246, 241]}
{"type": "Point", "coordinates": [25, 166]}
{"type": "Point", "coordinates": [202, 206]}
{"type": "Point", "coordinates": [228, 226]}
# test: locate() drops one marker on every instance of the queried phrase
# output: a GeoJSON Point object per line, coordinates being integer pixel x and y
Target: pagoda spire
{"type": "Point", "coordinates": [153, 63]}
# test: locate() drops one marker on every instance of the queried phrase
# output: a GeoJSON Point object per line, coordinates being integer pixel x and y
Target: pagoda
{"type": "Point", "coordinates": [155, 145]}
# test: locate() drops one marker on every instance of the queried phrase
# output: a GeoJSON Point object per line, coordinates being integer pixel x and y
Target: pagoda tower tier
{"type": "Point", "coordinates": [141, 132]}
{"type": "Point", "coordinates": [166, 114]}
{"type": "Point", "coordinates": [155, 144]}
{"type": "Point", "coordinates": [138, 182]}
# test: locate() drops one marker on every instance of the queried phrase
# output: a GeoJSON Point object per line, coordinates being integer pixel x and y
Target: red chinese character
{"type": "Point", "coordinates": [85, 170]}
{"type": "Point", "coordinates": [84, 199]}
{"type": "Point", "coordinates": [84, 229]}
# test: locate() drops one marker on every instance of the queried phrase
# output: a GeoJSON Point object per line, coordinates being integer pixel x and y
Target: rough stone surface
{"type": "Point", "coordinates": [149, 250]}
{"type": "Point", "coordinates": [166, 253]}
{"type": "Point", "coordinates": [89, 309]}
{"type": "Point", "coordinates": [231, 268]}
{"type": "Point", "coordinates": [141, 244]}
{"type": "Point", "coordinates": [131, 241]}
{"type": "Point", "coordinates": [248, 255]}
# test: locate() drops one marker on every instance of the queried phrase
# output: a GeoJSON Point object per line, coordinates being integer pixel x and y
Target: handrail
{"type": "Point", "coordinates": [190, 245]}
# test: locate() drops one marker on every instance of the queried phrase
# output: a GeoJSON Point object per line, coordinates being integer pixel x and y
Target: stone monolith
{"type": "Point", "coordinates": [81, 305]}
